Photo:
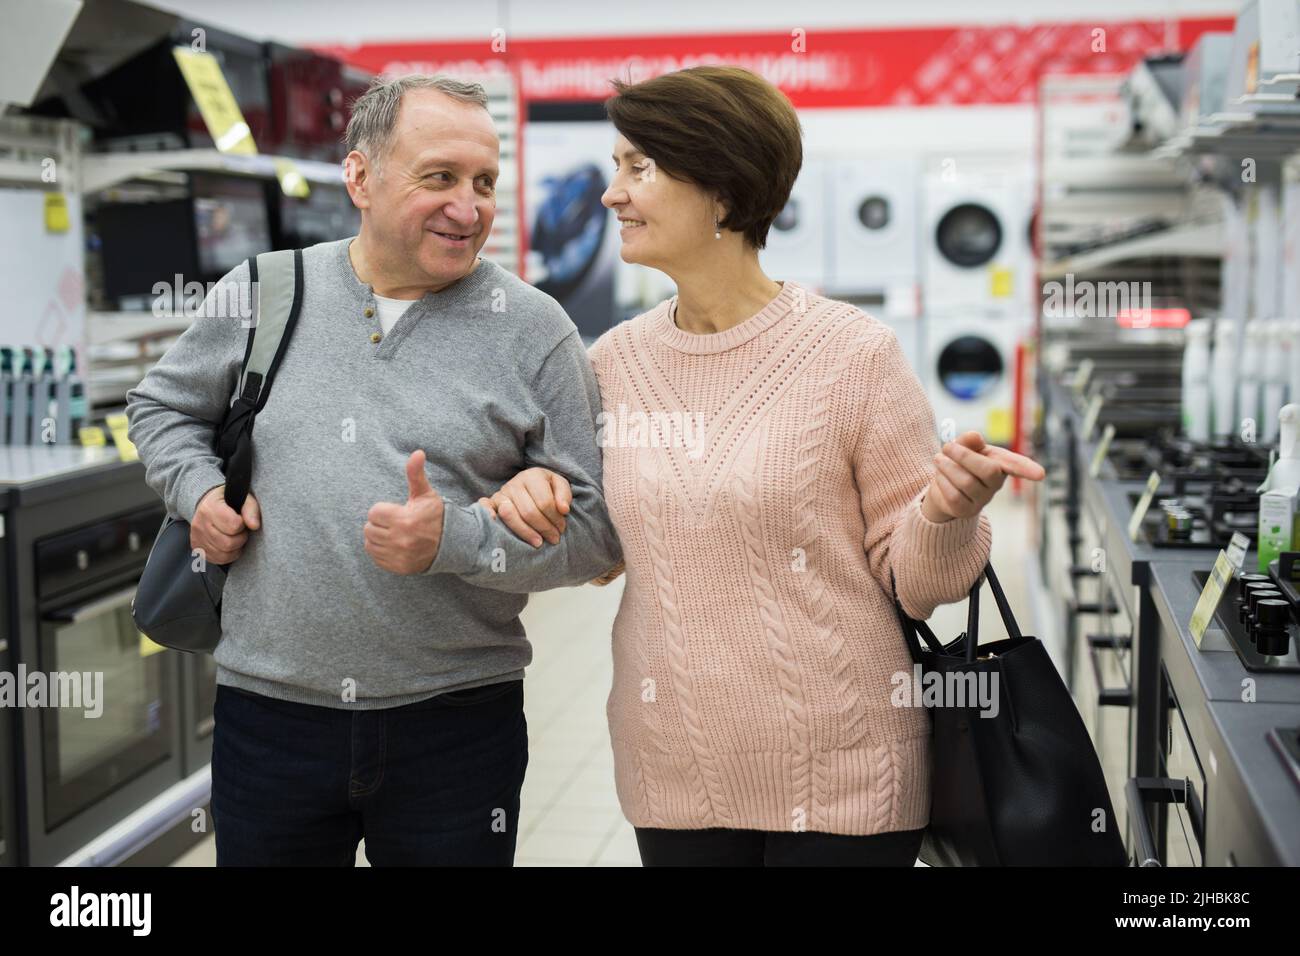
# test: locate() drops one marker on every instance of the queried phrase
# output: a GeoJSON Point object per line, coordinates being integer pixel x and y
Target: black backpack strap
{"type": "Point", "coordinates": [279, 281]}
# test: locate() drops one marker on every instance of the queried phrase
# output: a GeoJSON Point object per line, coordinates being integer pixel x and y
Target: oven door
{"type": "Point", "coordinates": [200, 696]}
{"type": "Point", "coordinates": [120, 727]}
{"type": "Point", "coordinates": [1184, 823]}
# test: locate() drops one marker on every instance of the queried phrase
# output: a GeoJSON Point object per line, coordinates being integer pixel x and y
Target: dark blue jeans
{"type": "Point", "coordinates": [432, 783]}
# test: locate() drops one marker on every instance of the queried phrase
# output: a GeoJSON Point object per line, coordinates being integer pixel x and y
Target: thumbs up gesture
{"type": "Point", "coordinates": [404, 538]}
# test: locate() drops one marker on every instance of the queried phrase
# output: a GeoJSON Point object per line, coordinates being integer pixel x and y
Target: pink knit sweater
{"type": "Point", "coordinates": [763, 481]}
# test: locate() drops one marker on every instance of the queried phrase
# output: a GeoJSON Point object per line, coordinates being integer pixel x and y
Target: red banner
{"type": "Point", "coordinates": [816, 68]}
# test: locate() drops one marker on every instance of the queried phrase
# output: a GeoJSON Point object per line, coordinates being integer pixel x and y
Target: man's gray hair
{"type": "Point", "coordinates": [374, 114]}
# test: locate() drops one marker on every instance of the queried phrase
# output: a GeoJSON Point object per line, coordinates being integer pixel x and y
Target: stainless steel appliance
{"type": "Point", "coordinates": [80, 539]}
{"type": "Point", "coordinates": [198, 698]}
{"type": "Point", "coordinates": [1167, 813]}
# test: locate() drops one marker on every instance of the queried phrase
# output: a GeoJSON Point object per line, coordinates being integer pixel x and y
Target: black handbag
{"type": "Point", "coordinates": [178, 600]}
{"type": "Point", "coordinates": [1019, 786]}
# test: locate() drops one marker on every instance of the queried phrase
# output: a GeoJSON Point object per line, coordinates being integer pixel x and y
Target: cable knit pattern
{"type": "Point", "coordinates": [702, 775]}
{"type": "Point", "coordinates": [758, 566]}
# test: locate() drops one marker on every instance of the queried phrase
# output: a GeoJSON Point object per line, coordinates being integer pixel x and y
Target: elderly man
{"type": "Point", "coordinates": [371, 663]}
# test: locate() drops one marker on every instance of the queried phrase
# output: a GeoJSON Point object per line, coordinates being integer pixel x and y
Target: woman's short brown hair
{"type": "Point", "coordinates": [723, 128]}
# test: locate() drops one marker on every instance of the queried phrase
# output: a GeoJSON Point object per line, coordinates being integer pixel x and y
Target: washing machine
{"type": "Point", "coordinates": [971, 373]}
{"type": "Point", "coordinates": [874, 206]}
{"type": "Point", "coordinates": [977, 234]}
{"type": "Point", "coordinates": [796, 242]}
{"type": "Point", "coordinates": [873, 260]}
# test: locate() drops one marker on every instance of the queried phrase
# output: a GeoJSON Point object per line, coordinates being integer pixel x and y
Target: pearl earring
{"type": "Point", "coordinates": [716, 228]}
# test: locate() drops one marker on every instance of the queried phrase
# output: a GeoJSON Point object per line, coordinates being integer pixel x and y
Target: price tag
{"type": "Point", "coordinates": [217, 105]}
{"type": "Point", "coordinates": [1211, 594]}
{"type": "Point", "coordinates": [1001, 283]}
{"type": "Point", "coordinates": [56, 213]}
{"type": "Point", "coordinates": [1090, 417]}
{"type": "Point", "coordinates": [1143, 503]}
{"type": "Point", "coordinates": [1082, 374]}
{"type": "Point", "coordinates": [91, 435]}
{"type": "Point", "coordinates": [1237, 549]}
{"type": "Point", "coordinates": [997, 425]}
{"type": "Point", "coordinates": [1103, 446]}
{"type": "Point", "coordinates": [117, 424]}
{"type": "Point", "coordinates": [292, 182]}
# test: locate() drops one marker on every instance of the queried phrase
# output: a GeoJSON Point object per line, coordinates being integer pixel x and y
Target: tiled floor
{"type": "Point", "coordinates": [570, 814]}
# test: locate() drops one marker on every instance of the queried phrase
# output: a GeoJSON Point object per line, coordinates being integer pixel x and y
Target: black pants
{"type": "Point", "coordinates": [718, 847]}
{"type": "Point", "coordinates": [426, 784]}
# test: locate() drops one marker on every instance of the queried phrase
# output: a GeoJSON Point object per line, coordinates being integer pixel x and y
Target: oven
{"type": "Point", "coordinates": [1167, 813]}
{"type": "Point", "coordinates": [85, 581]}
{"type": "Point", "coordinates": [198, 698]}
{"type": "Point", "coordinates": [89, 765]}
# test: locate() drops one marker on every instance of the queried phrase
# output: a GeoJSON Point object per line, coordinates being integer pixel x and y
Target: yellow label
{"type": "Point", "coordinates": [56, 212]}
{"type": "Point", "coordinates": [148, 647]}
{"type": "Point", "coordinates": [117, 424]}
{"type": "Point", "coordinates": [1211, 594]}
{"type": "Point", "coordinates": [292, 182]}
{"type": "Point", "coordinates": [91, 435]}
{"type": "Point", "coordinates": [1001, 283]}
{"type": "Point", "coordinates": [1140, 509]}
{"type": "Point", "coordinates": [1252, 68]}
{"type": "Point", "coordinates": [217, 105]}
{"type": "Point", "coordinates": [997, 425]}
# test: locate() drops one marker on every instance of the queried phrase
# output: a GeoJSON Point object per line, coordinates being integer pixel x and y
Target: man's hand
{"type": "Point", "coordinates": [220, 532]}
{"type": "Point", "coordinates": [968, 473]}
{"type": "Point", "coordinates": [404, 538]}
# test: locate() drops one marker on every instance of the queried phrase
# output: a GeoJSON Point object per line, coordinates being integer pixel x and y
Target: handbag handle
{"type": "Point", "coordinates": [911, 628]}
{"type": "Point", "coordinates": [973, 611]}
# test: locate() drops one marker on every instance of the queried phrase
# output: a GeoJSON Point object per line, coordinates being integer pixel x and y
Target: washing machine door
{"type": "Point", "coordinates": [969, 367]}
{"type": "Point", "coordinates": [968, 235]}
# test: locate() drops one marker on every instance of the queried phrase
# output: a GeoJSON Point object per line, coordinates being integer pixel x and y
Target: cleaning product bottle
{"type": "Point", "coordinates": [1223, 378]}
{"type": "Point", "coordinates": [1275, 377]}
{"type": "Point", "coordinates": [1279, 517]}
{"type": "Point", "coordinates": [1196, 380]}
{"type": "Point", "coordinates": [1249, 390]}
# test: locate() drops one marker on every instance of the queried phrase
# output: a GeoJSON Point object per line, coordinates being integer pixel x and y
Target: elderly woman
{"type": "Point", "coordinates": [756, 641]}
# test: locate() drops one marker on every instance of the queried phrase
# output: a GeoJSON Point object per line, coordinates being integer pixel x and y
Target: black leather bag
{"type": "Point", "coordinates": [178, 600]}
{"type": "Point", "coordinates": [1021, 786]}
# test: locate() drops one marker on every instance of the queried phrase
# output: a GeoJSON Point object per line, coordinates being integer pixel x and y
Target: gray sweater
{"type": "Point", "coordinates": [488, 376]}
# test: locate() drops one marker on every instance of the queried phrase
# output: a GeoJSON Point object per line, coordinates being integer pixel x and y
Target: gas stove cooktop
{"type": "Point", "coordinates": [1185, 463]}
{"type": "Point", "coordinates": [1207, 516]}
